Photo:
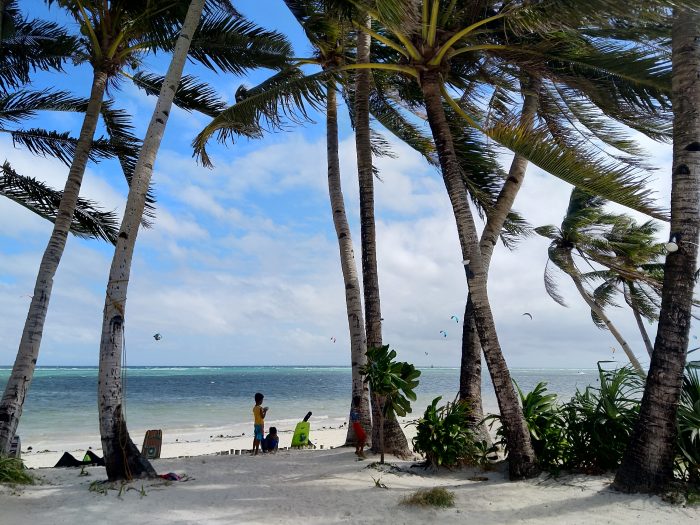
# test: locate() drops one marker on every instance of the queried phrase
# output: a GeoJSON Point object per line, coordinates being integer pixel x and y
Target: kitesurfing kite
{"type": "Point", "coordinates": [455, 318]}
{"type": "Point", "coordinates": [444, 334]}
{"type": "Point", "coordinates": [529, 315]}
{"type": "Point", "coordinates": [333, 339]}
{"type": "Point", "coordinates": [157, 337]}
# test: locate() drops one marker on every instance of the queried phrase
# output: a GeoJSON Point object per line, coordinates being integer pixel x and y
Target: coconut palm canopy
{"type": "Point", "coordinates": [227, 239]}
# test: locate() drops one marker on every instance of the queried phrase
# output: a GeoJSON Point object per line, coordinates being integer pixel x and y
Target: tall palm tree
{"type": "Point", "coordinates": [329, 36]}
{"type": "Point", "coordinates": [597, 237]}
{"type": "Point", "coordinates": [426, 54]}
{"type": "Point", "coordinates": [647, 465]}
{"type": "Point", "coordinates": [113, 35]}
{"type": "Point", "coordinates": [433, 46]}
{"type": "Point", "coordinates": [122, 458]}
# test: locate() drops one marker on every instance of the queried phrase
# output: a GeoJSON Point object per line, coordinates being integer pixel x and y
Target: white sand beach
{"type": "Point", "coordinates": [318, 487]}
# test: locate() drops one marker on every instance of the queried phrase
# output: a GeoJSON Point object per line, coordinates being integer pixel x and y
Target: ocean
{"type": "Point", "coordinates": [62, 402]}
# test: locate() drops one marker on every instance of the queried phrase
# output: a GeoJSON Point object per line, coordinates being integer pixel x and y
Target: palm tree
{"type": "Point", "coordinates": [113, 35]}
{"type": "Point", "coordinates": [425, 54]}
{"type": "Point", "coordinates": [328, 35]}
{"type": "Point", "coordinates": [635, 247]}
{"type": "Point", "coordinates": [598, 237]}
{"type": "Point", "coordinates": [122, 458]}
{"type": "Point", "coordinates": [647, 465]}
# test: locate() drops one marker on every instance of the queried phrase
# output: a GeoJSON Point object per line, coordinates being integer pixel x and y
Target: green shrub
{"type": "Point", "coordinates": [599, 421]}
{"type": "Point", "coordinates": [442, 435]}
{"type": "Point", "coordinates": [688, 441]}
{"type": "Point", "coordinates": [435, 497]}
{"type": "Point", "coordinates": [12, 471]}
{"type": "Point", "coordinates": [545, 424]}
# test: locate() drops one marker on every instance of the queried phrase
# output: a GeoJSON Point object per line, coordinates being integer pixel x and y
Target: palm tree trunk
{"type": "Point", "coordinates": [521, 454]}
{"type": "Point", "coordinates": [647, 465]}
{"type": "Point", "coordinates": [396, 442]}
{"type": "Point", "coordinates": [640, 324]}
{"type": "Point", "coordinates": [122, 458]}
{"type": "Point", "coordinates": [470, 369]}
{"type": "Point", "coordinates": [601, 314]}
{"type": "Point", "coordinates": [353, 295]}
{"type": "Point", "coordinates": [28, 352]}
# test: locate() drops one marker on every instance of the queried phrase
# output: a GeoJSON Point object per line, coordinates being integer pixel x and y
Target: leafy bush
{"type": "Point", "coordinates": [391, 383]}
{"type": "Point", "coordinates": [599, 421]}
{"type": "Point", "coordinates": [12, 471]}
{"type": "Point", "coordinates": [442, 434]}
{"type": "Point", "coordinates": [688, 441]}
{"type": "Point", "coordinates": [545, 424]}
{"type": "Point", "coordinates": [435, 497]}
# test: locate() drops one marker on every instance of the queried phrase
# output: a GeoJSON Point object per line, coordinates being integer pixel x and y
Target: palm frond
{"type": "Point", "coordinates": [233, 44]}
{"type": "Point", "coordinates": [14, 107]}
{"type": "Point", "coordinates": [615, 182]}
{"type": "Point", "coordinates": [551, 286]}
{"type": "Point", "coordinates": [62, 146]}
{"type": "Point", "coordinates": [284, 95]}
{"type": "Point", "coordinates": [88, 220]}
{"type": "Point", "coordinates": [191, 94]}
{"type": "Point", "coordinates": [29, 45]}
{"type": "Point", "coordinates": [515, 229]}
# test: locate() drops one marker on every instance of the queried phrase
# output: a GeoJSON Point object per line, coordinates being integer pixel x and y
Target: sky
{"type": "Point", "coordinates": [241, 266]}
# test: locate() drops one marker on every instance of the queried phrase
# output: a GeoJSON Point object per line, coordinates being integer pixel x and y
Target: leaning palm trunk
{"type": "Point", "coordinates": [353, 295]}
{"type": "Point", "coordinates": [395, 440]}
{"type": "Point", "coordinates": [647, 465]}
{"type": "Point", "coordinates": [595, 307]}
{"type": "Point", "coordinates": [28, 352]}
{"type": "Point", "coordinates": [122, 458]}
{"type": "Point", "coordinates": [640, 321]}
{"type": "Point", "coordinates": [470, 369]}
{"type": "Point", "coordinates": [520, 451]}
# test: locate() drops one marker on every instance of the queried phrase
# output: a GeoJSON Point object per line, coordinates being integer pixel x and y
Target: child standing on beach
{"type": "Point", "coordinates": [258, 422]}
{"type": "Point", "coordinates": [360, 435]}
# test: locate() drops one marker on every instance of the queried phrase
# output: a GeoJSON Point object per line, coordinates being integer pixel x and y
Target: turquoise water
{"type": "Point", "coordinates": [62, 402]}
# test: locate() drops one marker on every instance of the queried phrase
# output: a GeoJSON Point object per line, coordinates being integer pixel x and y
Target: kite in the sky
{"type": "Point", "coordinates": [529, 315]}
{"type": "Point", "coordinates": [455, 318]}
{"type": "Point", "coordinates": [444, 334]}
{"type": "Point", "coordinates": [157, 337]}
{"type": "Point", "coordinates": [333, 339]}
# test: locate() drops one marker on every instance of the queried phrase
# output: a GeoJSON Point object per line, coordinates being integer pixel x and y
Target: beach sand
{"type": "Point", "coordinates": [318, 487]}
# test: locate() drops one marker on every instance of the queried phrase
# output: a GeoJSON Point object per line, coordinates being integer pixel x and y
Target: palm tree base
{"type": "Point", "coordinates": [123, 460]}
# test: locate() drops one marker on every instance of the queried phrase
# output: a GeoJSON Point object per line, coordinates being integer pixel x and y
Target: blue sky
{"type": "Point", "coordinates": [241, 266]}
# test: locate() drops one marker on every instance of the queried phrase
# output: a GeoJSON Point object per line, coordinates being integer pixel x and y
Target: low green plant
{"type": "Point", "coordinates": [435, 497]}
{"type": "Point", "coordinates": [688, 440]}
{"type": "Point", "coordinates": [442, 435]}
{"type": "Point", "coordinates": [544, 422]}
{"type": "Point", "coordinates": [600, 420]}
{"type": "Point", "coordinates": [12, 471]}
{"type": "Point", "coordinates": [391, 384]}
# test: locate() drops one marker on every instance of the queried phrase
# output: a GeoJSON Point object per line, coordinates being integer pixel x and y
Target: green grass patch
{"type": "Point", "coordinates": [435, 497]}
{"type": "Point", "coordinates": [12, 471]}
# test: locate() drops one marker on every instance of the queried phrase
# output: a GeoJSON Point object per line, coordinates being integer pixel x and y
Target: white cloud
{"type": "Point", "coordinates": [228, 278]}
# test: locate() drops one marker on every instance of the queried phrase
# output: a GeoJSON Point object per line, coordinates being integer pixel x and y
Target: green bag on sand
{"type": "Point", "coordinates": [301, 434]}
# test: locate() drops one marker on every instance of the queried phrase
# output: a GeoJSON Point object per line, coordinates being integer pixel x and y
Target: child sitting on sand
{"type": "Point", "coordinates": [271, 441]}
{"type": "Point", "coordinates": [360, 435]}
{"type": "Point", "coordinates": [258, 422]}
